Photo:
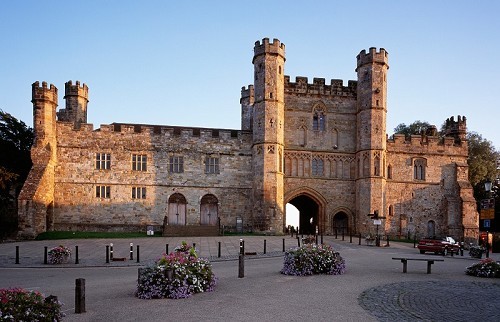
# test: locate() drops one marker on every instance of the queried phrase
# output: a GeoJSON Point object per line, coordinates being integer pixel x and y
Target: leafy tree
{"type": "Point", "coordinates": [482, 163]}
{"type": "Point", "coordinates": [416, 127]}
{"type": "Point", "coordinates": [15, 163]}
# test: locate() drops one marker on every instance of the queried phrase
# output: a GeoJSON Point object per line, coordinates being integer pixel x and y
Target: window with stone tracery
{"type": "Point", "coordinates": [319, 121]}
{"type": "Point", "coordinates": [317, 167]}
{"type": "Point", "coordinates": [419, 166]}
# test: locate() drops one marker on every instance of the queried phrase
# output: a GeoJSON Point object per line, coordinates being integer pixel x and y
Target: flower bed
{"type": "Point", "coordinates": [59, 255]}
{"type": "Point", "coordinates": [22, 305]}
{"type": "Point", "coordinates": [313, 259]}
{"type": "Point", "coordinates": [179, 274]}
{"type": "Point", "coordinates": [485, 268]}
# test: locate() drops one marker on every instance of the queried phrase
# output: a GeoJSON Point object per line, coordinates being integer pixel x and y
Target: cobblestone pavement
{"type": "Point", "coordinates": [433, 301]}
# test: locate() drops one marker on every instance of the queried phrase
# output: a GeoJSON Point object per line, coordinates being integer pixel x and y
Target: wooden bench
{"type": "Point", "coordinates": [429, 261]}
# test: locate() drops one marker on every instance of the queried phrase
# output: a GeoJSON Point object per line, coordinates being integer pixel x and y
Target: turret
{"type": "Point", "coordinates": [268, 134]}
{"type": "Point", "coordinates": [44, 101]}
{"type": "Point", "coordinates": [76, 97]}
{"type": "Point", "coordinates": [246, 101]}
{"type": "Point", "coordinates": [456, 129]}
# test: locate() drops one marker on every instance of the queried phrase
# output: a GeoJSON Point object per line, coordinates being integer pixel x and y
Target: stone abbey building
{"type": "Point", "coordinates": [321, 147]}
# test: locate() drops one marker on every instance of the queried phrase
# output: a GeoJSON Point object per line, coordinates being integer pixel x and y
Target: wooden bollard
{"type": "Point", "coordinates": [80, 295]}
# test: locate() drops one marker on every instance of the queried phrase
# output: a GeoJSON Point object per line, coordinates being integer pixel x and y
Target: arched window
{"type": "Point", "coordinates": [335, 139]}
{"type": "Point", "coordinates": [302, 136]}
{"type": "Point", "coordinates": [209, 211]}
{"type": "Point", "coordinates": [177, 209]}
{"type": "Point", "coordinates": [376, 166]}
{"type": "Point", "coordinates": [319, 119]}
{"type": "Point", "coordinates": [419, 166]}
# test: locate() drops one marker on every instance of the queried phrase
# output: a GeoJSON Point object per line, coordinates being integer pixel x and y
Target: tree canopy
{"type": "Point", "coordinates": [482, 162]}
{"type": "Point", "coordinates": [416, 127]}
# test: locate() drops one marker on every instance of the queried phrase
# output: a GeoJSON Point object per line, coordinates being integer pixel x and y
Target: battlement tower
{"type": "Point", "coordinates": [77, 98]}
{"type": "Point", "coordinates": [372, 69]}
{"type": "Point", "coordinates": [44, 101]}
{"type": "Point", "coordinates": [268, 135]}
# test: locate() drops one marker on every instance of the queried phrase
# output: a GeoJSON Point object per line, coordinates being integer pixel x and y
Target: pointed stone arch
{"type": "Point", "coordinates": [337, 222]}
{"type": "Point", "coordinates": [317, 203]}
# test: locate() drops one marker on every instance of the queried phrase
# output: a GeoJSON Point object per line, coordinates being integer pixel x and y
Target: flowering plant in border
{"type": "Point", "coordinates": [59, 254]}
{"type": "Point", "coordinates": [312, 259]}
{"type": "Point", "coordinates": [17, 304]}
{"type": "Point", "coordinates": [179, 274]}
{"type": "Point", "coordinates": [485, 268]}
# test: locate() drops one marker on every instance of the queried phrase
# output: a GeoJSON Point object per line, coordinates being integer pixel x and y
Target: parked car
{"type": "Point", "coordinates": [443, 245]}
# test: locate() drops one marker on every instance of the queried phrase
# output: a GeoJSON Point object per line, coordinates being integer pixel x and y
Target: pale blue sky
{"type": "Point", "coordinates": [184, 62]}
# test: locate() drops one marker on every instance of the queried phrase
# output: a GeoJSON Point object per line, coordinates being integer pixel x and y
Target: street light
{"type": "Point", "coordinates": [487, 186]}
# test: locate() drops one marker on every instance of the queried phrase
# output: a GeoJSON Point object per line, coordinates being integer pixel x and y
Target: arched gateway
{"type": "Point", "coordinates": [311, 207]}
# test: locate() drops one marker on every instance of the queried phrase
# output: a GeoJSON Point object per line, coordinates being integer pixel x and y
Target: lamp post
{"type": "Point", "coordinates": [487, 188]}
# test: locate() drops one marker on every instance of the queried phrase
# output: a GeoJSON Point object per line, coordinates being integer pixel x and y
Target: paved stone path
{"type": "Point", "coordinates": [433, 301]}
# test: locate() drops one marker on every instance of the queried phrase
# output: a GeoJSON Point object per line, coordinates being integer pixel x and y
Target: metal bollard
{"type": "Point", "coordinates": [298, 241]}
{"type": "Point", "coordinates": [194, 245]}
{"type": "Point", "coordinates": [137, 253]}
{"type": "Point", "coordinates": [316, 237]}
{"type": "Point", "coordinates": [350, 237]}
{"type": "Point", "coordinates": [387, 245]}
{"type": "Point", "coordinates": [283, 245]}
{"type": "Point", "coordinates": [359, 239]}
{"type": "Point", "coordinates": [241, 260]}
{"type": "Point", "coordinates": [131, 251]}
{"type": "Point", "coordinates": [77, 261]}
{"type": "Point", "coordinates": [264, 246]}
{"type": "Point", "coordinates": [321, 238]}
{"type": "Point", "coordinates": [45, 255]}
{"type": "Point", "coordinates": [343, 234]}
{"type": "Point", "coordinates": [107, 254]}
{"type": "Point", "coordinates": [166, 249]}
{"type": "Point", "coordinates": [17, 254]}
{"type": "Point", "coordinates": [218, 251]}
{"type": "Point", "coordinates": [111, 251]}
{"type": "Point", "coordinates": [80, 295]}
{"type": "Point", "coordinates": [336, 233]}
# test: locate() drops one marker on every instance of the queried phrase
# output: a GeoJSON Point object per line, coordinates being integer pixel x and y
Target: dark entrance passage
{"type": "Point", "coordinates": [308, 214]}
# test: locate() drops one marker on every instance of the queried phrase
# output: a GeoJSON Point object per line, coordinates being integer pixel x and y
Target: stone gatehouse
{"type": "Point", "coordinates": [320, 146]}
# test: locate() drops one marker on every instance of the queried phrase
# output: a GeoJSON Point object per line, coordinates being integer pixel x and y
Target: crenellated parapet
{"type": "Point", "coordinates": [426, 143]}
{"type": "Point", "coordinates": [44, 92]}
{"type": "Point", "coordinates": [318, 87]}
{"type": "Point", "coordinates": [247, 94]}
{"type": "Point", "coordinates": [76, 90]}
{"type": "Point", "coordinates": [275, 47]}
{"type": "Point", "coordinates": [456, 129]}
{"type": "Point", "coordinates": [373, 56]}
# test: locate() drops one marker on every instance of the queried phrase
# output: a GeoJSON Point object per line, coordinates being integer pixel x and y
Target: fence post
{"type": "Point", "coordinates": [80, 295]}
